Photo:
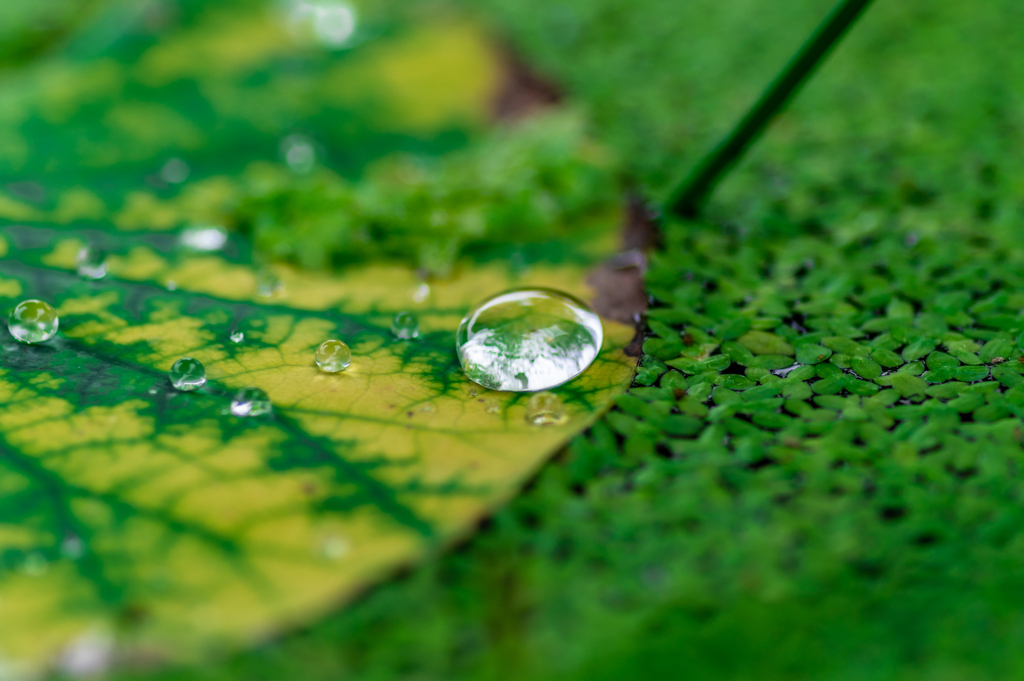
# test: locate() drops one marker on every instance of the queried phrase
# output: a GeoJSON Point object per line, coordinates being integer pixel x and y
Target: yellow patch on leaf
{"type": "Point", "coordinates": [220, 528]}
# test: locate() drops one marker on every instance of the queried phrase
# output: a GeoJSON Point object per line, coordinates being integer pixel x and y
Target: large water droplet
{"type": "Point", "coordinates": [250, 402]}
{"type": "Point", "coordinates": [545, 409]}
{"type": "Point", "coordinates": [187, 374]}
{"type": "Point", "coordinates": [237, 336]}
{"type": "Point", "coordinates": [333, 356]}
{"type": "Point", "coordinates": [405, 326]}
{"type": "Point", "coordinates": [33, 321]}
{"type": "Point", "coordinates": [91, 263]}
{"type": "Point", "coordinates": [527, 340]}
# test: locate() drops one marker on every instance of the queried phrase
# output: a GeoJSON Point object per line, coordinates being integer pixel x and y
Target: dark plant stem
{"type": "Point", "coordinates": [688, 198]}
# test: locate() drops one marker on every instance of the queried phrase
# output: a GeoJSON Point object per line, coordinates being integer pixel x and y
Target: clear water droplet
{"type": "Point", "coordinates": [205, 238]}
{"type": "Point", "coordinates": [187, 374]}
{"type": "Point", "coordinates": [153, 391]}
{"type": "Point", "coordinates": [237, 336]}
{"type": "Point", "coordinates": [250, 402]}
{"type": "Point", "coordinates": [333, 356]}
{"type": "Point", "coordinates": [332, 22]}
{"type": "Point", "coordinates": [299, 153]}
{"type": "Point", "coordinates": [528, 340]}
{"type": "Point", "coordinates": [91, 262]}
{"type": "Point", "coordinates": [267, 284]}
{"type": "Point", "coordinates": [421, 293]}
{"type": "Point", "coordinates": [88, 655]}
{"type": "Point", "coordinates": [175, 171]}
{"type": "Point", "coordinates": [171, 285]}
{"type": "Point", "coordinates": [72, 547]}
{"type": "Point", "coordinates": [492, 406]}
{"type": "Point", "coordinates": [473, 391]}
{"type": "Point", "coordinates": [33, 321]}
{"type": "Point", "coordinates": [405, 326]}
{"type": "Point", "coordinates": [545, 409]}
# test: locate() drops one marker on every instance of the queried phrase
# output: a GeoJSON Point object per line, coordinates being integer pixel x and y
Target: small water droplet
{"type": "Point", "coordinates": [405, 326]}
{"type": "Point", "coordinates": [421, 293]}
{"type": "Point", "coordinates": [333, 356]}
{"type": "Point", "coordinates": [428, 408]}
{"type": "Point", "coordinates": [527, 340]}
{"type": "Point", "coordinates": [33, 321]}
{"type": "Point", "coordinates": [171, 285]}
{"type": "Point", "coordinates": [87, 656]}
{"type": "Point", "coordinates": [204, 238]}
{"type": "Point", "coordinates": [91, 263]}
{"type": "Point", "coordinates": [36, 565]}
{"type": "Point", "coordinates": [335, 547]}
{"type": "Point", "coordinates": [545, 409]}
{"type": "Point", "coordinates": [333, 22]}
{"type": "Point", "coordinates": [298, 152]}
{"type": "Point", "coordinates": [237, 336]}
{"type": "Point", "coordinates": [175, 171]}
{"type": "Point", "coordinates": [250, 402]}
{"type": "Point", "coordinates": [72, 547]}
{"type": "Point", "coordinates": [267, 284]}
{"type": "Point", "coordinates": [492, 406]}
{"type": "Point", "coordinates": [473, 391]}
{"type": "Point", "coordinates": [187, 374]}
{"type": "Point", "coordinates": [153, 391]}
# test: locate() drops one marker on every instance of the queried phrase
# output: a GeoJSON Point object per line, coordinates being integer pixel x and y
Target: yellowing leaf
{"type": "Point", "coordinates": [127, 501]}
{"type": "Point", "coordinates": [158, 522]}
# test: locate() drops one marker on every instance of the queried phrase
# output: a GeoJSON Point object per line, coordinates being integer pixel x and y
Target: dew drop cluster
{"type": "Point", "coordinates": [524, 340]}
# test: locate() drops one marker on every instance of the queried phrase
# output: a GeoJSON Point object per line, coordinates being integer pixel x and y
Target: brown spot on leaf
{"type": "Point", "coordinates": [636, 346]}
{"type": "Point", "coordinates": [640, 230]}
{"type": "Point", "coordinates": [618, 293]}
{"type": "Point", "coordinates": [522, 91]}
